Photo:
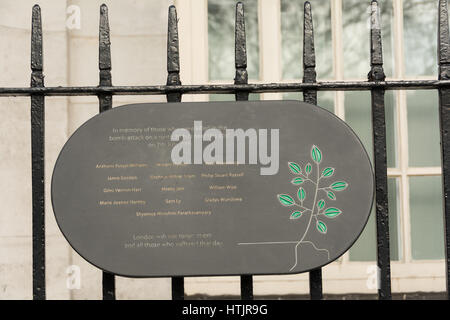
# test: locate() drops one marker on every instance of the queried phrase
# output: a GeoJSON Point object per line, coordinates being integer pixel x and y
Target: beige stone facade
{"type": "Point", "coordinates": [138, 37]}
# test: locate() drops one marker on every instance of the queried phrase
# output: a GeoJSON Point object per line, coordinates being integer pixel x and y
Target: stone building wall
{"type": "Point", "coordinates": [138, 43]}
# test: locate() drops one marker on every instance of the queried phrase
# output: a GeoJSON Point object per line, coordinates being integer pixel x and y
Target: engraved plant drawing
{"type": "Point", "coordinates": [323, 191]}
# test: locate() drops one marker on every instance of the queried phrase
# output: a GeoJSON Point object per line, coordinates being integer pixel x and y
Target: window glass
{"type": "Point", "coordinates": [231, 97]}
{"type": "Point", "coordinates": [420, 36]}
{"type": "Point", "coordinates": [359, 116]}
{"type": "Point", "coordinates": [419, 41]}
{"type": "Point", "coordinates": [356, 37]}
{"type": "Point", "coordinates": [391, 128]}
{"type": "Point", "coordinates": [395, 240]}
{"type": "Point", "coordinates": [221, 17]}
{"type": "Point", "coordinates": [365, 248]}
{"type": "Point", "coordinates": [427, 230]}
{"type": "Point", "coordinates": [292, 38]}
{"type": "Point", "coordinates": [325, 99]}
{"type": "Point", "coordinates": [423, 128]}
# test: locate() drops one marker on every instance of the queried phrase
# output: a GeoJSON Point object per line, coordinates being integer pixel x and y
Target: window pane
{"type": "Point", "coordinates": [325, 99]}
{"type": "Point", "coordinates": [365, 248]}
{"type": "Point", "coordinates": [231, 97]}
{"type": "Point", "coordinates": [391, 128]}
{"type": "Point", "coordinates": [356, 37]}
{"type": "Point", "coordinates": [292, 38]}
{"type": "Point", "coordinates": [423, 128]}
{"type": "Point", "coordinates": [420, 36]}
{"type": "Point", "coordinates": [358, 115]}
{"type": "Point", "coordinates": [427, 230]}
{"type": "Point", "coordinates": [221, 16]}
{"type": "Point", "coordinates": [395, 240]}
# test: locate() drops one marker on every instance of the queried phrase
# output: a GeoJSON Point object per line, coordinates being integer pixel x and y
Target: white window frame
{"type": "Point", "coordinates": [342, 276]}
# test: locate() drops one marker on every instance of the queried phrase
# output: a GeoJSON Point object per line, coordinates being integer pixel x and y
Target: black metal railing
{"type": "Point", "coordinates": [173, 90]}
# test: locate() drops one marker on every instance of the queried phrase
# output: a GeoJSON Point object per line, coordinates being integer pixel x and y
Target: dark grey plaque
{"type": "Point", "coordinates": [125, 207]}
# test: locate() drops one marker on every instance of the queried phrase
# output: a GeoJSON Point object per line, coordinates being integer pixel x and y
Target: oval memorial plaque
{"type": "Point", "coordinates": [222, 188]}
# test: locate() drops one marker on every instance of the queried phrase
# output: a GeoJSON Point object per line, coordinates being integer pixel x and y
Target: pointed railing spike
{"type": "Point", "coordinates": [36, 46]}
{"type": "Point", "coordinates": [376, 47]}
{"type": "Point", "coordinates": [240, 52]}
{"type": "Point", "coordinates": [36, 40]}
{"type": "Point", "coordinates": [309, 56]}
{"type": "Point", "coordinates": [376, 56]}
{"type": "Point", "coordinates": [173, 55]}
{"type": "Point", "coordinates": [104, 61]}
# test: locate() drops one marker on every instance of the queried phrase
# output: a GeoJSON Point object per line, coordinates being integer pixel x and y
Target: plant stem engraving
{"type": "Point", "coordinates": [318, 206]}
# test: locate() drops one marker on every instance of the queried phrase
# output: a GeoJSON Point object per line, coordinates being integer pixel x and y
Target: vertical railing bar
{"type": "Point", "coordinates": [310, 96]}
{"type": "Point", "coordinates": [37, 157]}
{"type": "Point", "coordinates": [105, 103]}
{"type": "Point", "coordinates": [109, 286]}
{"type": "Point", "coordinates": [379, 141]}
{"type": "Point", "coordinates": [444, 111]}
{"type": "Point", "coordinates": [173, 79]}
{"type": "Point", "coordinates": [241, 77]}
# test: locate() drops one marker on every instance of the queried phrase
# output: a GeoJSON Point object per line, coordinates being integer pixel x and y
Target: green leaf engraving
{"type": "Point", "coordinates": [295, 168]}
{"type": "Point", "coordinates": [308, 168]}
{"type": "Point", "coordinates": [316, 155]}
{"type": "Point", "coordinates": [286, 200]}
{"type": "Point", "coordinates": [339, 186]}
{"type": "Point", "coordinates": [328, 172]}
{"type": "Point", "coordinates": [295, 215]}
{"type": "Point", "coordinates": [331, 195]}
{"type": "Point", "coordinates": [322, 227]}
{"type": "Point", "coordinates": [297, 181]}
{"type": "Point", "coordinates": [332, 212]}
{"type": "Point", "coordinates": [321, 204]}
{"type": "Point", "coordinates": [301, 194]}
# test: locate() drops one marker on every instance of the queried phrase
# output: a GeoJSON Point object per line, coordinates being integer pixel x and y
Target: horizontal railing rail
{"type": "Point", "coordinates": [227, 88]}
